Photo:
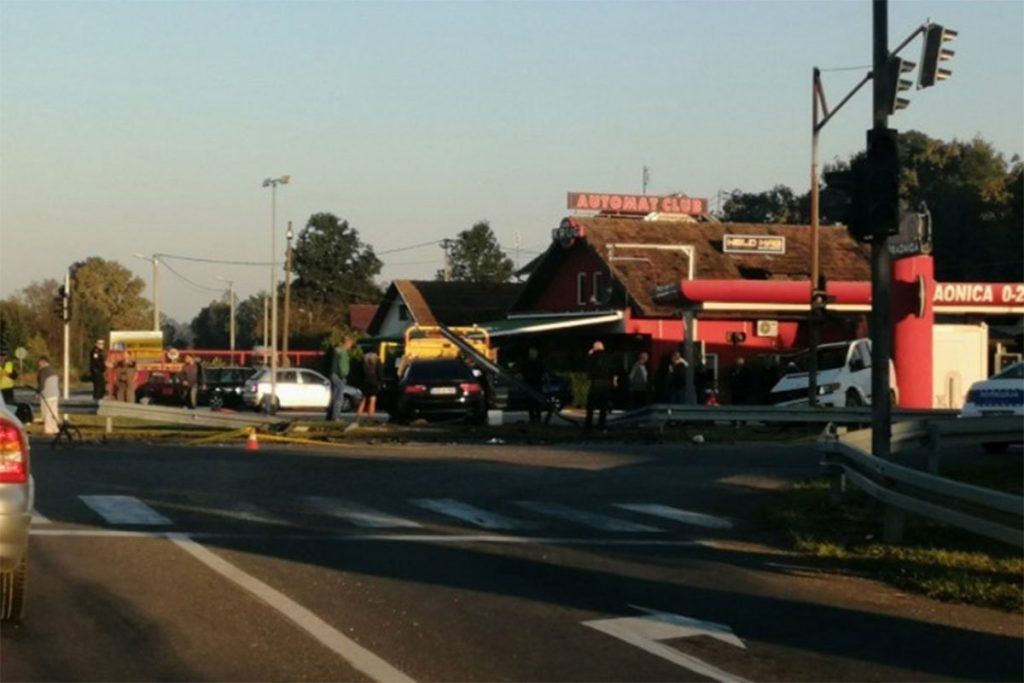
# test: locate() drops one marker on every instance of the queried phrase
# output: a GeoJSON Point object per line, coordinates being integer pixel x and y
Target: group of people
{"type": "Point", "coordinates": [341, 368]}
{"type": "Point", "coordinates": [47, 388]}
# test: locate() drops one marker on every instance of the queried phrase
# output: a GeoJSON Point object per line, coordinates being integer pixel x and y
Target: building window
{"type": "Point", "coordinates": [581, 289]}
{"type": "Point", "coordinates": [403, 312]}
{"type": "Point", "coordinates": [596, 294]}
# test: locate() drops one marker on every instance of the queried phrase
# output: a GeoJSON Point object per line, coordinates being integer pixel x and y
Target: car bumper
{"type": "Point", "coordinates": [16, 502]}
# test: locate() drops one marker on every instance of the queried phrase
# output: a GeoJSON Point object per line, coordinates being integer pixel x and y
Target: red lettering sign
{"type": "Point", "coordinates": [639, 204]}
{"type": "Point", "coordinates": [984, 293]}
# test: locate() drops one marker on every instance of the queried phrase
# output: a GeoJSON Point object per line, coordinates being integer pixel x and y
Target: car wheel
{"type": "Point", "coordinates": [12, 592]}
{"type": "Point", "coordinates": [346, 404]}
{"type": "Point", "coordinates": [216, 401]}
{"type": "Point", "coordinates": [853, 399]}
{"type": "Point", "coordinates": [266, 400]}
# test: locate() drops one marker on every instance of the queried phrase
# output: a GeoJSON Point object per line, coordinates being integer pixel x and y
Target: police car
{"type": "Point", "coordinates": [1000, 394]}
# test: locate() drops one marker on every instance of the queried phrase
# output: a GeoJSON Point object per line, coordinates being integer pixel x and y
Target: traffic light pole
{"type": "Point", "coordinates": [67, 342]}
{"type": "Point", "coordinates": [881, 262]}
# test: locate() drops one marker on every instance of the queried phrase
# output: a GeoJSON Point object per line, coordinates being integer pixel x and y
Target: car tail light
{"type": "Point", "coordinates": [13, 454]}
{"type": "Point", "coordinates": [415, 388]}
{"type": "Point", "coordinates": [470, 387]}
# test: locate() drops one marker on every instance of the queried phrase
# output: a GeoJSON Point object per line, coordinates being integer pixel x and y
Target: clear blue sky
{"type": "Point", "coordinates": [148, 126]}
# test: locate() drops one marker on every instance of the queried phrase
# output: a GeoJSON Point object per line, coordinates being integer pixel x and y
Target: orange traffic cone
{"type": "Point", "coordinates": [252, 443]}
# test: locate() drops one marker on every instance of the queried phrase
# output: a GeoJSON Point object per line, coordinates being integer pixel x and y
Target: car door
{"type": "Point", "coordinates": [861, 378]}
{"type": "Point", "coordinates": [289, 392]}
{"type": "Point", "coordinates": [316, 391]}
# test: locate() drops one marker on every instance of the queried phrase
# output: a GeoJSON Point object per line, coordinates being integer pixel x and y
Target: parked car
{"type": "Point", "coordinates": [296, 388]}
{"type": "Point", "coordinates": [17, 495]}
{"type": "Point", "coordinates": [439, 389]}
{"type": "Point", "coordinates": [1000, 394]}
{"type": "Point", "coordinates": [844, 377]}
{"type": "Point", "coordinates": [162, 387]}
{"type": "Point", "coordinates": [223, 386]}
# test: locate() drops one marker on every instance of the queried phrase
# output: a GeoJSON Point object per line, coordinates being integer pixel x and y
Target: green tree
{"type": "Point", "coordinates": [476, 256]}
{"type": "Point", "coordinates": [211, 328]}
{"type": "Point", "coordinates": [106, 296]}
{"type": "Point", "coordinates": [777, 205]}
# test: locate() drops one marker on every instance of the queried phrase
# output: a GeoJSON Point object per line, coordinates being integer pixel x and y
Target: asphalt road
{"type": "Point", "coordinates": [454, 562]}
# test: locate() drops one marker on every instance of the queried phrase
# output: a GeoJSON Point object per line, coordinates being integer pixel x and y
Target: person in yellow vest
{"type": "Point", "coordinates": [7, 376]}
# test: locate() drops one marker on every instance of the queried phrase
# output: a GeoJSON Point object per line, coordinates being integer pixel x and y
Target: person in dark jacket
{"type": "Point", "coordinates": [533, 376]}
{"type": "Point", "coordinates": [602, 377]}
{"type": "Point", "coordinates": [677, 379]}
{"type": "Point", "coordinates": [190, 380]}
{"type": "Point", "coordinates": [98, 369]}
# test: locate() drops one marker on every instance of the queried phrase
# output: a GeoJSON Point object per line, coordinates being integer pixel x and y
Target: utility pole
{"type": "Point", "coordinates": [67, 329]}
{"type": "Point", "coordinates": [287, 292]}
{"type": "Point", "coordinates": [881, 261]}
{"type": "Point", "coordinates": [447, 245]}
{"type": "Point", "coordinates": [647, 179]}
{"type": "Point", "coordinates": [266, 325]}
{"type": "Point", "coordinates": [231, 308]}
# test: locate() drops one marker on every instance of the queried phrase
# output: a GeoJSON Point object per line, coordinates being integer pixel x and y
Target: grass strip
{"type": "Point", "coordinates": [934, 560]}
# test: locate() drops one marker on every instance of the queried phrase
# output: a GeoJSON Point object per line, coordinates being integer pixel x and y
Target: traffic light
{"type": "Point", "coordinates": [845, 201]}
{"type": "Point", "coordinates": [895, 84]}
{"type": "Point", "coordinates": [933, 55]}
{"type": "Point", "coordinates": [882, 184]}
{"type": "Point", "coordinates": [62, 305]}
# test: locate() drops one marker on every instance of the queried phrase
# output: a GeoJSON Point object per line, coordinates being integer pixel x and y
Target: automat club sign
{"type": "Point", "coordinates": [639, 204]}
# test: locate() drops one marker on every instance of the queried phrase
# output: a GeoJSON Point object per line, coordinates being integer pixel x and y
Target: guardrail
{"type": "Point", "coordinates": [198, 418]}
{"type": "Point", "coordinates": [978, 510]}
{"type": "Point", "coordinates": [661, 414]}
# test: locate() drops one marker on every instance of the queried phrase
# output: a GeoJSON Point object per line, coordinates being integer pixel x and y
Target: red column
{"type": "Point", "coordinates": [912, 319]}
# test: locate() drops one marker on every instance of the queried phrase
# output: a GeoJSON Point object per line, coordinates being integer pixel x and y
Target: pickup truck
{"type": "Point", "coordinates": [844, 376]}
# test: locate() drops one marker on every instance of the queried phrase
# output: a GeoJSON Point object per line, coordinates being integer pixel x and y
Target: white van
{"type": "Point", "coordinates": [844, 377]}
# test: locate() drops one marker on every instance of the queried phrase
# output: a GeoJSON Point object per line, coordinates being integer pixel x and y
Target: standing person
{"type": "Point", "coordinates": [533, 375]}
{"type": "Point", "coordinates": [372, 371]}
{"type": "Point", "coordinates": [48, 386]}
{"type": "Point", "coordinates": [126, 375]}
{"type": "Point", "coordinates": [7, 376]}
{"type": "Point", "coordinates": [340, 364]}
{"type": "Point", "coordinates": [190, 380]}
{"type": "Point", "coordinates": [638, 382]}
{"type": "Point", "coordinates": [677, 379]}
{"type": "Point", "coordinates": [98, 369]}
{"type": "Point", "coordinates": [601, 375]}
{"type": "Point", "coordinates": [739, 382]}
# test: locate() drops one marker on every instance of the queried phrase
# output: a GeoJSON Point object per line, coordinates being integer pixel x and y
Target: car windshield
{"type": "Point", "coordinates": [829, 358]}
{"type": "Point", "coordinates": [440, 369]}
{"type": "Point", "coordinates": [228, 374]}
{"type": "Point", "coordinates": [1015, 371]}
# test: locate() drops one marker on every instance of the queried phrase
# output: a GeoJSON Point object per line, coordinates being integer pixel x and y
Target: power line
{"type": "Point", "coordinates": [190, 282]}
{"type": "Point", "coordinates": [212, 260]}
{"type": "Point", "coordinates": [409, 248]}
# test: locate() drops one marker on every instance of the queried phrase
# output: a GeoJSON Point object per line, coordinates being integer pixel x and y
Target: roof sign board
{"type": "Point", "coordinates": [638, 204]}
{"type": "Point", "coordinates": [753, 244]}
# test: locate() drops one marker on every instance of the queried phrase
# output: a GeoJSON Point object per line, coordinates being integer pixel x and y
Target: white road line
{"type": "Point", "coordinates": [359, 657]}
{"type": "Point", "coordinates": [124, 510]}
{"type": "Point", "coordinates": [677, 515]}
{"type": "Point", "coordinates": [357, 514]}
{"type": "Point", "coordinates": [247, 512]}
{"type": "Point", "coordinates": [591, 519]}
{"type": "Point", "coordinates": [471, 514]}
{"type": "Point", "coordinates": [381, 538]}
{"type": "Point", "coordinates": [40, 519]}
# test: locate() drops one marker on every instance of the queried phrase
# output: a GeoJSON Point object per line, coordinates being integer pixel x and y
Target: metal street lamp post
{"type": "Point", "coordinates": [287, 291]}
{"type": "Point", "coordinates": [272, 183]}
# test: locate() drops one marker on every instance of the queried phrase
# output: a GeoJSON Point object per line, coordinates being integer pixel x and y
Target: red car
{"type": "Point", "coordinates": [162, 387]}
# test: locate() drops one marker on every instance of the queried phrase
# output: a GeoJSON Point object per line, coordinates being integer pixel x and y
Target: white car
{"type": "Point", "coordinates": [297, 388]}
{"type": "Point", "coordinates": [17, 494]}
{"type": "Point", "coordinates": [1000, 394]}
{"type": "Point", "coordinates": [844, 377]}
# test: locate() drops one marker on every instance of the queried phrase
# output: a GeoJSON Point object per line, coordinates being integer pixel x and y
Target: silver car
{"type": "Point", "coordinates": [17, 494]}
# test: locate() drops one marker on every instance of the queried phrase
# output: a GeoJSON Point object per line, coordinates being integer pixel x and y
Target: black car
{"type": "Point", "coordinates": [162, 387]}
{"type": "Point", "coordinates": [439, 389]}
{"type": "Point", "coordinates": [222, 386]}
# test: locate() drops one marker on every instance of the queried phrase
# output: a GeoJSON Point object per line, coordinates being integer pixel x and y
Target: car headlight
{"type": "Point", "coordinates": [828, 388]}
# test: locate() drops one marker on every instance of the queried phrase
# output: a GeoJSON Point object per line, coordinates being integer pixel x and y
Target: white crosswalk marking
{"type": "Point", "coordinates": [357, 514]}
{"type": "Point", "coordinates": [124, 510]}
{"type": "Point", "coordinates": [471, 514]}
{"type": "Point", "coordinates": [591, 519]}
{"type": "Point", "coordinates": [677, 515]}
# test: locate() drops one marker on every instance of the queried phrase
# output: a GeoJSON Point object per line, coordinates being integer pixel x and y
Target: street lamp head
{"type": "Point", "coordinates": [268, 182]}
{"type": "Point", "coordinates": [285, 179]}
